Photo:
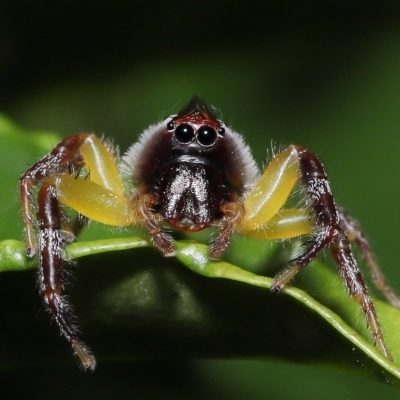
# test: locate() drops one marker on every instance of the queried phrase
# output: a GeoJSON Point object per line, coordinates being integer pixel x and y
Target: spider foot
{"type": "Point", "coordinates": [164, 242]}
{"type": "Point", "coordinates": [31, 252]}
{"type": "Point", "coordinates": [31, 245]}
{"type": "Point", "coordinates": [275, 288]}
{"type": "Point", "coordinates": [284, 278]}
{"type": "Point", "coordinates": [381, 345]}
{"type": "Point", "coordinates": [68, 237]}
{"type": "Point", "coordinates": [218, 247]}
{"type": "Point", "coordinates": [85, 355]}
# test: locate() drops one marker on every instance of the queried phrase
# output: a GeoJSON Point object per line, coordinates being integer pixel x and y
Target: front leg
{"type": "Point", "coordinates": [82, 150]}
{"type": "Point", "coordinates": [98, 195]}
{"type": "Point", "coordinates": [330, 233]}
{"type": "Point", "coordinates": [313, 177]}
{"type": "Point", "coordinates": [64, 154]}
{"type": "Point", "coordinates": [51, 261]}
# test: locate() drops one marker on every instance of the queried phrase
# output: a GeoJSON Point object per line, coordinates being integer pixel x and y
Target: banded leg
{"type": "Point", "coordinates": [331, 233]}
{"type": "Point", "coordinates": [64, 154]}
{"type": "Point", "coordinates": [315, 181]}
{"type": "Point", "coordinates": [51, 270]}
{"type": "Point", "coordinates": [83, 150]}
{"type": "Point", "coordinates": [99, 198]}
{"type": "Point", "coordinates": [355, 234]}
{"type": "Point", "coordinates": [341, 251]}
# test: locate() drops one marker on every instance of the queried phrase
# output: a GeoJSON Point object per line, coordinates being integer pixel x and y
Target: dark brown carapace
{"type": "Point", "coordinates": [190, 171]}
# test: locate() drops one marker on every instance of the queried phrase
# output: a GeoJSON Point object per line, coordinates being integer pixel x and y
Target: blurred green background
{"type": "Point", "coordinates": [325, 75]}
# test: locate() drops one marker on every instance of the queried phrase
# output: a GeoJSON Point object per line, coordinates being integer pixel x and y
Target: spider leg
{"type": "Point", "coordinates": [161, 240]}
{"type": "Point", "coordinates": [265, 217]}
{"type": "Point", "coordinates": [327, 219]}
{"type": "Point", "coordinates": [355, 234]}
{"type": "Point", "coordinates": [264, 221]}
{"type": "Point", "coordinates": [330, 233]}
{"type": "Point", "coordinates": [65, 153]}
{"type": "Point", "coordinates": [341, 251]}
{"type": "Point", "coordinates": [51, 270]}
{"type": "Point", "coordinates": [101, 198]}
{"type": "Point", "coordinates": [233, 213]}
{"type": "Point", "coordinates": [73, 152]}
{"type": "Point", "coordinates": [286, 224]}
{"type": "Point", "coordinates": [271, 191]}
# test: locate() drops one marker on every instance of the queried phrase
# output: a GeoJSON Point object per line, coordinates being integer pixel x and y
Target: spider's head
{"type": "Point", "coordinates": [194, 138]}
{"type": "Point", "coordinates": [196, 125]}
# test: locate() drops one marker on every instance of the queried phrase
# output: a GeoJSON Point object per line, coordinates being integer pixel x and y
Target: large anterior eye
{"type": "Point", "coordinates": [206, 135]}
{"type": "Point", "coordinates": [184, 133]}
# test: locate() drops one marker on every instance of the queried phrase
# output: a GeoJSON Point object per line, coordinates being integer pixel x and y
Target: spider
{"type": "Point", "coordinates": [189, 171]}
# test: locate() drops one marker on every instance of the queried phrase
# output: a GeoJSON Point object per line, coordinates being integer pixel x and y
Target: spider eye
{"type": "Point", "coordinates": [221, 131]}
{"type": "Point", "coordinates": [184, 133]}
{"type": "Point", "coordinates": [206, 135]}
{"type": "Point", "coordinates": [171, 126]}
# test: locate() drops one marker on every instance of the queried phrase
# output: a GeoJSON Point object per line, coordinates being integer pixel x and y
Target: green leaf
{"type": "Point", "coordinates": [135, 304]}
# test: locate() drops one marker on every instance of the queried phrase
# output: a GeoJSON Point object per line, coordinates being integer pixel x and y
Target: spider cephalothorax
{"type": "Point", "coordinates": [190, 171]}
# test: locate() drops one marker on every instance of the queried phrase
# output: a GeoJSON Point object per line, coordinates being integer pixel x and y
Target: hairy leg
{"type": "Point", "coordinates": [161, 240]}
{"type": "Point", "coordinates": [51, 265]}
{"type": "Point", "coordinates": [233, 213]}
{"type": "Point", "coordinates": [355, 234]}
{"type": "Point", "coordinates": [330, 233]}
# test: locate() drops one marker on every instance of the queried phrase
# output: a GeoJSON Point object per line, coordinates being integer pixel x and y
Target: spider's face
{"type": "Point", "coordinates": [193, 136]}
{"type": "Point", "coordinates": [195, 127]}
{"type": "Point", "coordinates": [191, 163]}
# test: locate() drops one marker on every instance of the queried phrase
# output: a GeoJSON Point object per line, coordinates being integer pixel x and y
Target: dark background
{"type": "Point", "coordinates": [323, 74]}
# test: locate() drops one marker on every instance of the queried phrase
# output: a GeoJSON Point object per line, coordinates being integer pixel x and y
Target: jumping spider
{"type": "Point", "coordinates": [190, 171]}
